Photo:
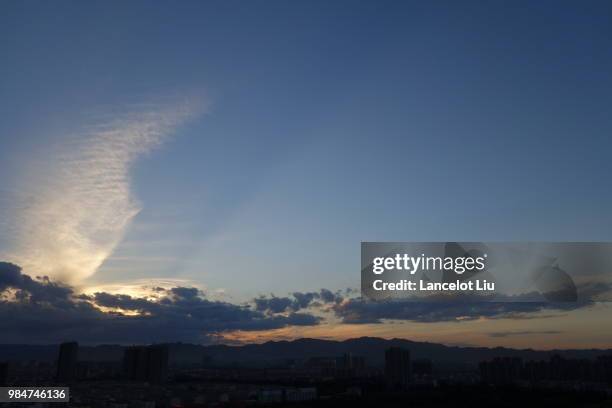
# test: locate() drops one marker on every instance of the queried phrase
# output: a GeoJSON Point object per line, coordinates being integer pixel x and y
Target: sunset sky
{"type": "Point", "coordinates": [209, 169]}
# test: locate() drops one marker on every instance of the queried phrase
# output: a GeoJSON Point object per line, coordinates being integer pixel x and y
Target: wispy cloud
{"type": "Point", "coordinates": [523, 333]}
{"type": "Point", "coordinates": [79, 199]}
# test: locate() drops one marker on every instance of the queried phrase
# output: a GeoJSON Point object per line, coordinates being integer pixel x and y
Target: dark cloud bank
{"type": "Point", "coordinates": [42, 311]}
{"type": "Point", "coordinates": [39, 311]}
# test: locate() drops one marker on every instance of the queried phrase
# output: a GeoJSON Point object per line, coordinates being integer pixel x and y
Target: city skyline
{"type": "Point", "coordinates": [206, 173]}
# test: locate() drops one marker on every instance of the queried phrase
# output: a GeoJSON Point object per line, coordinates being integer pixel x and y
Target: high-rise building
{"type": "Point", "coordinates": [350, 361]}
{"type": "Point", "coordinates": [397, 367]}
{"type": "Point", "coordinates": [157, 365]}
{"type": "Point", "coordinates": [134, 363]}
{"type": "Point", "coordinates": [349, 365]}
{"type": "Point", "coordinates": [146, 363]}
{"type": "Point", "coordinates": [501, 370]}
{"type": "Point", "coordinates": [67, 361]}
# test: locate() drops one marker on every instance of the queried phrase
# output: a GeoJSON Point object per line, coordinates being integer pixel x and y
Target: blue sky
{"type": "Point", "coordinates": [326, 124]}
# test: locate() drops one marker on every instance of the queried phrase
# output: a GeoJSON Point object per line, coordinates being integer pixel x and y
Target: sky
{"type": "Point", "coordinates": [245, 149]}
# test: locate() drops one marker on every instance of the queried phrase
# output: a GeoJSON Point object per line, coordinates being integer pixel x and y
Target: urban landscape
{"type": "Point", "coordinates": [148, 377]}
{"type": "Point", "coordinates": [272, 203]}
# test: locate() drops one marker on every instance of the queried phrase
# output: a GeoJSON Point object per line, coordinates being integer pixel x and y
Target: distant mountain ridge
{"type": "Point", "coordinates": [274, 353]}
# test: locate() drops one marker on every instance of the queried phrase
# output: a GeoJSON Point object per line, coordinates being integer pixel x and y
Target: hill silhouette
{"type": "Point", "coordinates": [274, 353]}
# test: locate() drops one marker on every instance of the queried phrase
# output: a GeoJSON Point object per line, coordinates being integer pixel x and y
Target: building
{"type": "Point", "coordinates": [270, 395]}
{"type": "Point", "coordinates": [157, 364]}
{"type": "Point", "coordinates": [501, 370]}
{"type": "Point", "coordinates": [422, 368]}
{"type": "Point", "coordinates": [349, 365]}
{"type": "Point", "coordinates": [397, 368]}
{"type": "Point", "coordinates": [350, 361]}
{"type": "Point", "coordinates": [67, 361]}
{"type": "Point", "coordinates": [277, 395]}
{"type": "Point", "coordinates": [146, 363]}
{"type": "Point", "coordinates": [300, 394]}
{"type": "Point", "coordinates": [322, 366]}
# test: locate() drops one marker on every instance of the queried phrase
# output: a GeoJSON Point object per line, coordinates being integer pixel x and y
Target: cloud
{"type": "Point", "coordinates": [185, 293]}
{"type": "Point", "coordinates": [328, 296]}
{"type": "Point", "coordinates": [43, 311]}
{"type": "Point", "coordinates": [273, 304]}
{"type": "Point", "coordinates": [303, 300]}
{"type": "Point", "coordinates": [530, 305]}
{"type": "Point", "coordinates": [124, 302]}
{"type": "Point", "coordinates": [297, 301]}
{"type": "Point", "coordinates": [523, 333]}
{"type": "Point", "coordinates": [76, 205]}
{"type": "Point", "coordinates": [357, 310]}
{"type": "Point", "coordinates": [360, 311]}
{"type": "Point", "coordinates": [26, 288]}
